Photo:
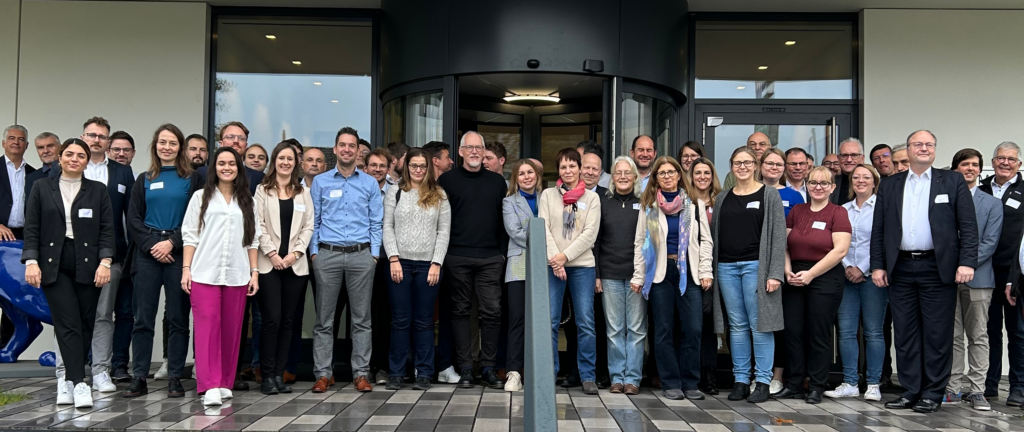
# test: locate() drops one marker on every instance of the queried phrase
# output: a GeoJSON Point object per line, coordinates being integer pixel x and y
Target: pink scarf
{"type": "Point", "coordinates": [670, 208]}
{"type": "Point", "coordinates": [569, 198]}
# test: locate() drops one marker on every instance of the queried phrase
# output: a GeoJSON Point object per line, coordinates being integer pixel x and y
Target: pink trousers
{"type": "Point", "coordinates": [217, 311]}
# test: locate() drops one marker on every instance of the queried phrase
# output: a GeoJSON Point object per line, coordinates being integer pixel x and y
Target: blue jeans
{"type": "Point", "coordinates": [412, 302]}
{"type": "Point", "coordinates": [677, 351]}
{"type": "Point", "coordinates": [738, 282]}
{"type": "Point", "coordinates": [581, 281]}
{"type": "Point", "coordinates": [862, 301]}
{"type": "Point", "coordinates": [626, 314]}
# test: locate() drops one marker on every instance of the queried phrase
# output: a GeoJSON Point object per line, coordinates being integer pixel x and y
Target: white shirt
{"type": "Point", "coordinates": [974, 189]}
{"type": "Point", "coordinates": [861, 219]}
{"type": "Point", "coordinates": [97, 171]}
{"type": "Point", "coordinates": [17, 179]}
{"type": "Point", "coordinates": [998, 190]}
{"type": "Point", "coordinates": [802, 189]}
{"type": "Point", "coordinates": [220, 258]}
{"type": "Point", "coordinates": [917, 232]}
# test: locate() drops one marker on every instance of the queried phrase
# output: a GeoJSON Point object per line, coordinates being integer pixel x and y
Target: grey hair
{"type": "Point", "coordinates": [923, 130]}
{"type": "Point", "coordinates": [637, 185]}
{"type": "Point", "coordinates": [462, 141]}
{"type": "Point", "coordinates": [15, 127]}
{"type": "Point", "coordinates": [1006, 145]}
{"type": "Point", "coordinates": [900, 147]}
{"type": "Point", "coordinates": [46, 135]}
{"type": "Point", "coordinates": [860, 145]}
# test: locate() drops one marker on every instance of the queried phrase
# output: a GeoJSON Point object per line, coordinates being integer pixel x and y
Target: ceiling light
{"type": "Point", "coordinates": [790, 42]}
{"type": "Point", "coordinates": [740, 88]}
{"type": "Point", "coordinates": [296, 63]}
{"type": "Point", "coordinates": [531, 98]}
{"type": "Point", "coordinates": [317, 83]}
{"type": "Point", "coordinates": [334, 101]}
{"type": "Point", "coordinates": [271, 37]}
{"type": "Point", "coordinates": [762, 67]}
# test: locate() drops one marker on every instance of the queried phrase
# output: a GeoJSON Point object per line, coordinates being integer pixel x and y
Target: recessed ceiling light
{"type": "Point", "coordinates": [740, 88]}
{"type": "Point", "coordinates": [296, 62]}
{"type": "Point", "coordinates": [271, 37]}
{"type": "Point", "coordinates": [317, 83]}
{"type": "Point", "coordinates": [762, 67]}
{"type": "Point", "coordinates": [791, 42]}
{"type": "Point", "coordinates": [532, 98]}
{"type": "Point", "coordinates": [334, 101]}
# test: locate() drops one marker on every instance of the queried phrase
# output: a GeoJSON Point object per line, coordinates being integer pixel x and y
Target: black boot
{"type": "Point", "coordinates": [268, 387]}
{"type": "Point", "coordinates": [740, 391]}
{"type": "Point", "coordinates": [281, 386]}
{"type": "Point", "coordinates": [707, 381]}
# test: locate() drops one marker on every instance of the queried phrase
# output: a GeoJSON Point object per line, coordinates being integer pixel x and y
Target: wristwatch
{"type": "Point", "coordinates": [105, 264]}
{"type": "Point", "coordinates": [297, 255]}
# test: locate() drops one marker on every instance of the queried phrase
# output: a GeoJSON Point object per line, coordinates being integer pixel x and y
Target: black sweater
{"type": "Point", "coordinates": [614, 246]}
{"type": "Point", "coordinates": [477, 227]}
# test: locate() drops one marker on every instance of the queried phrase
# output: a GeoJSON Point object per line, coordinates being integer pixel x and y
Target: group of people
{"type": "Point", "coordinates": [639, 252]}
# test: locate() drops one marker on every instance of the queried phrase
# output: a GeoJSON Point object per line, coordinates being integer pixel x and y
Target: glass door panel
{"type": "Point", "coordinates": [415, 119]}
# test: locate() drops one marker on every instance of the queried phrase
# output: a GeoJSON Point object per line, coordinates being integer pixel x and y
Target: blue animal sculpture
{"type": "Point", "coordinates": [24, 304]}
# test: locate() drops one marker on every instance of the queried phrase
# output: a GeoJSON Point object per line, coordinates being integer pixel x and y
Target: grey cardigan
{"type": "Point", "coordinates": [771, 263]}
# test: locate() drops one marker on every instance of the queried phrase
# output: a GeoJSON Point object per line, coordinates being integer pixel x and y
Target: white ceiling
{"type": "Point", "coordinates": [845, 5]}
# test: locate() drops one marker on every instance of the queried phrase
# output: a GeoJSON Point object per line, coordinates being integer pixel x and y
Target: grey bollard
{"type": "Point", "coordinates": [539, 408]}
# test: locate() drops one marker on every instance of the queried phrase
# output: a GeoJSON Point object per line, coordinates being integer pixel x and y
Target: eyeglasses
{"type": "Point", "coordinates": [121, 150]}
{"type": "Point", "coordinates": [94, 136]}
{"type": "Point", "coordinates": [689, 157]}
{"type": "Point", "coordinates": [816, 184]}
{"type": "Point", "coordinates": [773, 164]}
{"type": "Point", "coordinates": [417, 167]}
{"type": "Point", "coordinates": [745, 164]}
{"type": "Point", "coordinates": [796, 164]}
{"type": "Point", "coordinates": [830, 163]}
{"type": "Point", "coordinates": [881, 156]}
{"type": "Point", "coordinates": [918, 145]}
{"type": "Point", "coordinates": [473, 148]}
{"type": "Point", "coordinates": [758, 144]}
{"type": "Point", "coordinates": [622, 173]}
{"type": "Point", "coordinates": [850, 155]}
{"type": "Point", "coordinates": [239, 138]}
{"type": "Point", "coordinates": [1011, 160]}
{"type": "Point", "coordinates": [667, 174]}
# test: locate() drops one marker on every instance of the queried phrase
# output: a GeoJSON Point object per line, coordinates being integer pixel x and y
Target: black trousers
{"type": "Point", "coordinates": [516, 325]}
{"type": "Point", "coordinates": [280, 292]}
{"type": "Point", "coordinates": [809, 313]}
{"type": "Point", "coordinates": [480, 277]}
{"type": "Point", "coordinates": [73, 309]}
{"type": "Point", "coordinates": [150, 276]}
{"type": "Point", "coordinates": [922, 309]}
{"type": "Point", "coordinates": [380, 315]}
{"type": "Point", "coordinates": [999, 313]}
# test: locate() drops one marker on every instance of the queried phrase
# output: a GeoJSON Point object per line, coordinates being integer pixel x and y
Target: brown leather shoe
{"type": "Point", "coordinates": [331, 382]}
{"type": "Point", "coordinates": [631, 389]}
{"type": "Point", "coordinates": [257, 375]}
{"type": "Point", "coordinates": [321, 385]}
{"type": "Point", "coordinates": [616, 388]}
{"type": "Point", "coordinates": [362, 384]}
{"type": "Point", "coordinates": [289, 378]}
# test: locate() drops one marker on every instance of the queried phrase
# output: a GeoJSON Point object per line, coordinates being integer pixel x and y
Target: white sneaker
{"type": "Point", "coordinates": [65, 391]}
{"type": "Point", "coordinates": [102, 383]}
{"type": "Point", "coordinates": [162, 372]}
{"type": "Point", "coordinates": [83, 396]}
{"type": "Point", "coordinates": [212, 398]}
{"type": "Point", "coordinates": [775, 387]}
{"type": "Point", "coordinates": [844, 391]}
{"type": "Point", "coordinates": [449, 376]}
{"type": "Point", "coordinates": [225, 393]}
{"type": "Point", "coordinates": [873, 393]}
{"type": "Point", "coordinates": [513, 382]}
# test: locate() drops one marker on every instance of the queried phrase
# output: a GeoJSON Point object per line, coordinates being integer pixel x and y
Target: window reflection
{"type": "Point", "coordinates": [644, 115]}
{"type": "Point", "coordinates": [730, 136]}
{"type": "Point", "coordinates": [414, 119]}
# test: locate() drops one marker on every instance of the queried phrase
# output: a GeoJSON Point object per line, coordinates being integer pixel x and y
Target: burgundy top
{"type": "Point", "coordinates": [811, 238]}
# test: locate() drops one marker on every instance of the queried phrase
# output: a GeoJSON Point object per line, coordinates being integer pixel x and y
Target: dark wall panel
{"type": "Point", "coordinates": [414, 41]}
{"type": "Point", "coordinates": [653, 40]}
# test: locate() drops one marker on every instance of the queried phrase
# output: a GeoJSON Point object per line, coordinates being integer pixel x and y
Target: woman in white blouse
{"type": "Point", "coordinates": [221, 234]}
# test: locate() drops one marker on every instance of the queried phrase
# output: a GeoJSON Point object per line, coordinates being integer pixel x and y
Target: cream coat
{"type": "Point", "coordinates": [269, 210]}
{"type": "Point", "coordinates": [700, 268]}
{"type": "Point", "coordinates": [578, 249]}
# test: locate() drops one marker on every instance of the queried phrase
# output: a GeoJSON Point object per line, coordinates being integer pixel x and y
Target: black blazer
{"type": "Point", "coordinates": [255, 177]}
{"type": "Point", "coordinates": [6, 199]}
{"type": "Point", "coordinates": [1013, 222]}
{"type": "Point", "coordinates": [39, 174]}
{"type": "Point", "coordinates": [946, 220]}
{"type": "Point", "coordinates": [120, 180]}
{"type": "Point", "coordinates": [94, 236]}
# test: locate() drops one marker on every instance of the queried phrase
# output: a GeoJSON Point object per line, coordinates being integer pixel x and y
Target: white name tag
{"type": "Point", "coordinates": [636, 206]}
{"type": "Point", "coordinates": [300, 208]}
{"type": "Point", "coordinates": [156, 186]}
{"type": "Point", "coordinates": [85, 213]}
{"type": "Point", "coordinates": [336, 193]}
{"type": "Point", "coordinates": [818, 225]}
{"type": "Point", "coordinates": [785, 203]}
{"type": "Point", "coordinates": [582, 205]}
{"type": "Point", "coordinates": [120, 188]}
{"type": "Point", "coordinates": [941, 199]}
{"type": "Point", "coordinates": [754, 204]}
{"type": "Point", "coordinates": [1013, 203]}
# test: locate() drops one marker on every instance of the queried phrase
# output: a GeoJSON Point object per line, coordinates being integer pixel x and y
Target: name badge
{"type": "Point", "coordinates": [155, 186]}
{"type": "Point", "coordinates": [582, 205]}
{"type": "Point", "coordinates": [636, 206]}
{"type": "Point", "coordinates": [336, 193]}
{"type": "Point", "coordinates": [120, 188]}
{"type": "Point", "coordinates": [785, 203]}
{"type": "Point", "coordinates": [941, 199]}
{"type": "Point", "coordinates": [1013, 203]}
{"type": "Point", "coordinates": [818, 225]}
{"type": "Point", "coordinates": [85, 213]}
{"type": "Point", "coordinates": [300, 208]}
{"type": "Point", "coordinates": [754, 204]}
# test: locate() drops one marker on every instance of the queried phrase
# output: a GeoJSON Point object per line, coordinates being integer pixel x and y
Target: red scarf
{"type": "Point", "coordinates": [571, 196]}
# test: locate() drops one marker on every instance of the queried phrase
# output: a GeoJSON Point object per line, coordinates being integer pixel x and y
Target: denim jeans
{"type": "Point", "coordinates": [626, 314]}
{"type": "Point", "coordinates": [412, 305]}
{"type": "Point", "coordinates": [862, 301]}
{"type": "Point", "coordinates": [677, 350]}
{"type": "Point", "coordinates": [149, 276]}
{"type": "Point", "coordinates": [581, 282]}
{"type": "Point", "coordinates": [738, 282]}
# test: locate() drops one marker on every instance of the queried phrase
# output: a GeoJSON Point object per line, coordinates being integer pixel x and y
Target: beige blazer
{"type": "Point", "coordinates": [269, 209]}
{"type": "Point", "coordinates": [700, 268]}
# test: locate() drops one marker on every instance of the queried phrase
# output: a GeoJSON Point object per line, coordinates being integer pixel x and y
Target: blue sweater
{"type": "Point", "coordinates": [790, 198]}
{"type": "Point", "coordinates": [167, 198]}
{"type": "Point", "coordinates": [672, 239]}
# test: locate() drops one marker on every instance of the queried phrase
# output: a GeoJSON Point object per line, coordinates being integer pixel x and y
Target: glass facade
{"type": "Point", "coordinates": [645, 115]}
{"type": "Point", "coordinates": [415, 119]}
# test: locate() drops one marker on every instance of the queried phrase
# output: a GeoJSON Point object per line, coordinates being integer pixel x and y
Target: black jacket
{"type": "Point", "coordinates": [254, 177]}
{"type": "Point", "coordinates": [94, 235]}
{"type": "Point", "coordinates": [39, 174]}
{"type": "Point", "coordinates": [6, 199]}
{"type": "Point", "coordinates": [1013, 222]}
{"type": "Point", "coordinates": [120, 180]}
{"type": "Point", "coordinates": [946, 220]}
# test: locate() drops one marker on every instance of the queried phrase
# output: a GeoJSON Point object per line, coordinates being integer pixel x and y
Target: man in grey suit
{"type": "Point", "coordinates": [973, 298]}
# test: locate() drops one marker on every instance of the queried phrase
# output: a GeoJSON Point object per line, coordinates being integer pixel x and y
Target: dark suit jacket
{"type": "Point", "coordinates": [1013, 222]}
{"type": "Point", "coordinates": [39, 174]}
{"type": "Point", "coordinates": [255, 177]}
{"type": "Point", "coordinates": [841, 194]}
{"type": "Point", "coordinates": [94, 234]}
{"type": "Point", "coordinates": [120, 180]}
{"type": "Point", "coordinates": [954, 224]}
{"type": "Point", "coordinates": [6, 199]}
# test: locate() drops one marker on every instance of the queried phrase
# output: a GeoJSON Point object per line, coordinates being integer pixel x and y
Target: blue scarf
{"type": "Point", "coordinates": [650, 247]}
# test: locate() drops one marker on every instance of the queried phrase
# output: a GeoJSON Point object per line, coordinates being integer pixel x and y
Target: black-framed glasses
{"type": "Point", "coordinates": [816, 184]}
{"type": "Point", "coordinates": [746, 164]}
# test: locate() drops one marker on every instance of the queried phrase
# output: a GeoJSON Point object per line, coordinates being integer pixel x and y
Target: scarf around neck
{"type": "Point", "coordinates": [651, 243]}
{"type": "Point", "coordinates": [569, 199]}
{"type": "Point", "coordinates": [670, 207]}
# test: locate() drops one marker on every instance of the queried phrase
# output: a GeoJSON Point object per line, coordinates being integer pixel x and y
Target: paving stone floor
{"type": "Point", "coordinates": [445, 408]}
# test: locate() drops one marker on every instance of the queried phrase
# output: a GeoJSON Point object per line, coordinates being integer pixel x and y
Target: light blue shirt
{"type": "Point", "coordinates": [861, 219]}
{"type": "Point", "coordinates": [346, 211]}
